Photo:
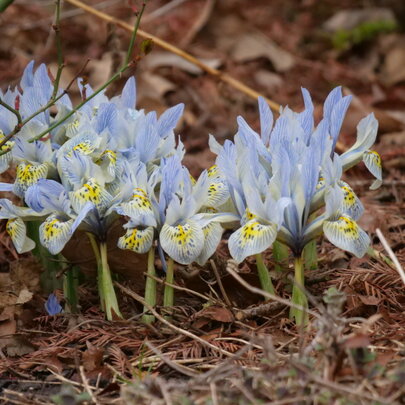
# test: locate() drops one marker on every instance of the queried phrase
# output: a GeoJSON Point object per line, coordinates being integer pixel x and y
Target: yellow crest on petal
{"type": "Point", "coordinates": [11, 227]}
{"type": "Point", "coordinates": [93, 192]}
{"type": "Point", "coordinates": [84, 147]}
{"type": "Point", "coordinates": [8, 145]}
{"type": "Point", "coordinates": [251, 230]}
{"type": "Point", "coordinates": [28, 174]}
{"type": "Point", "coordinates": [348, 227]}
{"type": "Point", "coordinates": [137, 240]}
{"type": "Point", "coordinates": [213, 171]}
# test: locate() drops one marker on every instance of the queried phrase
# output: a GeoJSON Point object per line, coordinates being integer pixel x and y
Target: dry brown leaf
{"type": "Point", "coordinates": [393, 71]}
{"type": "Point", "coordinates": [24, 296]}
{"type": "Point", "coordinates": [356, 341]}
{"type": "Point", "coordinates": [254, 45]}
{"type": "Point", "coordinates": [351, 18]}
{"type": "Point", "coordinates": [92, 357]}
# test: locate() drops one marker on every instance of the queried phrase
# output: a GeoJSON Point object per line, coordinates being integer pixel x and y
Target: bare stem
{"type": "Point", "coordinates": [168, 297]}
{"type": "Point", "coordinates": [58, 38]}
{"type": "Point", "coordinates": [14, 111]}
{"type": "Point", "coordinates": [298, 294]}
{"type": "Point", "coordinates": [133, 36]}
{"type": "Point", "coordinates": [264, 276]}
{"type": "Point", "coordinates": [150, 286]}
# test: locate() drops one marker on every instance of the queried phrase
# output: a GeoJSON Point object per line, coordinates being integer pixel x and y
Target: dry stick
{"type": "Point", "coordinates": [178, 367]}
{"type": "Point", "coordinates": [87, 386]}
{"type": "Point", "coordinates": [221, 286]}
{"type": "Point", "coordinates": [138, 298]}
{"type": "Point", "coordinates": [56, 28]}
{"type": "Point", "coordinates": [185, 289]}
{"type": "Point", "coordinates": [391, 254]}
{"type": "Point", "coordinates": [171, 48]}
{"type": "Point", "coordinates": [268, 295]}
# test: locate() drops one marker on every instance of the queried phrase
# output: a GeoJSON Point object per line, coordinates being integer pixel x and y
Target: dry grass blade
{"type": "Point", "coordinates": [138, 298]}
{"type": "Point", "coordinates": [171, 48]}
{"type": "Point", "coordinates": [391, 254]}
{"type": "Point", "coordinates": [174, 365]}
{"type": "Point", "coordinates": [266, 294]}
{"type": "Point", "coordinates": [87, 386]}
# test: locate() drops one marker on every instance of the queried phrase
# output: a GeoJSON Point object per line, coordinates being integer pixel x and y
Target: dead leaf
{"type": "Point", "coordinates": [24, 296]}
{"type": "Point", "coordinates": [356, 341]}
{"type": "Point", "coordinates": [369, 300]}
{"type": "Point", "coordinates": [159, 59]}
{"type": "Point", "coordinates": [351, 18]}
{"type": "Point", "coordinates": [212, 313]}
{"type": "Point", "coordinates": [156, 84]}
{"type": "Point", "coordinates": [393, 71]}
{"type": "Point", "coordinates": [272, 82]}
{"type": "Point", "coordinates": [8, 327]}
{"type": "Point", "coordinates": [254, 45]}
{"type": "Point", "coordinates": [92, 357]}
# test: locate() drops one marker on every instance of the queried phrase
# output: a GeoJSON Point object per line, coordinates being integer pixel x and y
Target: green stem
{"type": "Point", "coordinates": [264, 276]}
{"type": "Point", "coordinates": [280, 255]}
{"type": "Point", "coordinates": [50, 263]}
{"type": "Point", "coordinates": [298, 294]}
{"type": "Point", "coordinates": [110, 299]}
{"type": "Point", "coordinates": [96, 251]}
{"type": "Point", "coordinates": [150, 286]}
{"type": "Point", "coordinates": [168, 296]}
{"type": "Point", "coordinates": [375, 254]}
{"type": "Point", "coordinates": [70, 286]}
{"type": "Point", "coordinates": [311, 255]}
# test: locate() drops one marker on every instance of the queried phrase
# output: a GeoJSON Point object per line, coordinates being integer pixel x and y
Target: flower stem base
{"type": "Point", "coordinates": [150, 287]}
{"type": "Point", "coordinates": [298, 294]}
{"type": "Point", "coordinates": [168, 296]}
{"type": "Point", "coordinates": [264, 276]}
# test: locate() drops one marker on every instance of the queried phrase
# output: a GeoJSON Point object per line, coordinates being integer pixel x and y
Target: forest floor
{"type": "Point", "coordinates": [233, 347]}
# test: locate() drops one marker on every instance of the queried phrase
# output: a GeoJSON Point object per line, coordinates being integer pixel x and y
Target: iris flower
{"type": "Point", "coordinates": [278, 181]}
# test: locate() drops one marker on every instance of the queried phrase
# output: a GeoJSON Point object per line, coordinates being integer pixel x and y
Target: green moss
{"type": "Point", "coordinates": [345, 39]}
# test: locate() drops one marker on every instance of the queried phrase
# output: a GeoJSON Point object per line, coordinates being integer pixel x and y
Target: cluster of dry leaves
{"type": "Point", "coordinates": [232, 347]}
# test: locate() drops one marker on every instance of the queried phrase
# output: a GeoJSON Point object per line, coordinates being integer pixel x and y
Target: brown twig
{"type": "Point", "coordinates": [391, 254]}
{"type": "Point", "coordinates": [221, 286]}
{"type": "Point", "coordinates": [171, 48]}
{"type": "Point", "coordinates": [138, 298]}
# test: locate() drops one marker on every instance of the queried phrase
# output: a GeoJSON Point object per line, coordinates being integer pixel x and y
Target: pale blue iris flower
{"type": "Point", "coordinates": [186, 232]}
{"type": "Point", "coordinates": [15, 226]}
{"type": "Point", "coordinates": [279, 178]}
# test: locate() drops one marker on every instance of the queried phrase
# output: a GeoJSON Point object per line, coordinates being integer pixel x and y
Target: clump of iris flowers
{"type": "Point", "coordinates": [285, 184]}
{"type": "Point", "coordinates": [89, 171]}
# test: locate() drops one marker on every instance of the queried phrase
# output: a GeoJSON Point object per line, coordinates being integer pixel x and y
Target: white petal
{"type": "Point", "coordinates": [18, 233]}
{"type": "Point", "coordinates": [183, 243]}
{"type": "Point", "coordinates": [137, 240]}
{"type": "Point", "coordinates": [372, 160]}
{"type": "Point", "coordinates": [250, 239]}
{"type": "Point", "coordinates": [93, 192]}
{"type": "Point", "coordinates": [54, 233]}
{"type": "Point", "coordinates": [351, 204]}
{"type": "Point", "coordinates": [212, 233]}
{"type": "Point", "coordinates": [347, 235]}
{"type": "Point", "coordinates": [27, 175]}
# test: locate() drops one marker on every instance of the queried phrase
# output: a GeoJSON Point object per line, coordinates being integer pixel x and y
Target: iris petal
{"type": "Point", "coordinates": [54, 233]}
{"type": "Point", "coordinates": [137, 240]}
{"type": "Point", "coordinates": [183, 243]}
{"type": "Point", "coordinates": [347, 235]}
{"type": "Point", "coordinates": [372, 160]}
{"type": "Point", "coordinates": [250, 239]}
{"type": "Point", "coordinates": [18, 233]}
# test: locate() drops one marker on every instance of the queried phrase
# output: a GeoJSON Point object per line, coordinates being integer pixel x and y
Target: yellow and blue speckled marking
{"type": "Point", "coordinates": [28, 174]}
{"type": "Point", "coordinates": [137, 240]}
